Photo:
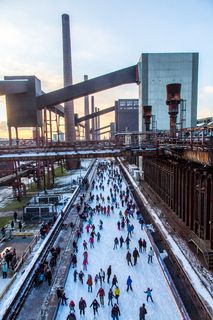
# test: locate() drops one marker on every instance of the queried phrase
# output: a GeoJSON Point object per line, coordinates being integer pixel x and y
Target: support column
{"type": "Point", "coordinates": [10, 135]}
{"type": "Point", "coordinates": [93, 119]}
{"type": "Point", "coordinates": [86, 112]}
{"type": "Point", "coordinates": [96, 124]}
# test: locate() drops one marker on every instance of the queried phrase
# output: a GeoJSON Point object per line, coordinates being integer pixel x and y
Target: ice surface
{"type": "Point", "coordinates": [143, 275]}
{"type": "Point", "coordinates": [186, 265]}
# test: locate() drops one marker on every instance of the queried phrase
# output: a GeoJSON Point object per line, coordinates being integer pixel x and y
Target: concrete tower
{"type": "Point", "coordinates": [70, 135]}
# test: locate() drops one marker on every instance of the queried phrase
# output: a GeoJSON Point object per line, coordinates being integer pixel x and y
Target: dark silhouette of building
{"type": "Point", "coordinates": [126, 115]}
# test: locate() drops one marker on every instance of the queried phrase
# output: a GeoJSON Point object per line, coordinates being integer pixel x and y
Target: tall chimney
{"type": "Point", "coordinates": [93, 119]}
{"type": "Point", "coordinates": [69, 119]}
{"type": "Point", "coordinates": [86, 112]}
{"type": "Point", "coordinates": [99, 133]}
{"type": "Point", "coordinates": [96, 125]}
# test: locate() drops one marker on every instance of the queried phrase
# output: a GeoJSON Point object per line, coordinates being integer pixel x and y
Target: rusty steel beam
{"type": "Point", "coordinates": [103, 128]}
{"type": "Point", "coordinates": [95, 114]}
{"type": "Point", "coordinates": [79, 90]}
{"type": "Point", "coordinates": [104, 132]}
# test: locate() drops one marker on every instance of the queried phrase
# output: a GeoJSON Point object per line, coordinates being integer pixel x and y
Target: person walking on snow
{"type": "Point", "coordinates": [110, 296]}
{"type": "Point", "coordinates": [140, 245]}
{"type": "Point", "coordinates": [121, 241]}
{"type": "Point", "coordinates": [101, 294]}
{"type": "Point", "coordinates": [150, 255]}
{"type": "Point", "coordinates": [119, 225]}
{"type": "Point", "coordinates": [85, 245]}
{"type": "Point", "coordinates": [82, 306]}
{"type": "Point", "coordinates": [115, 313]}
{"type": "Point", "coordinates": [98, 236]}
{"type": "Point", "coordinates": [142, 312]}
{"type": "Point", "coordinates": [71, 316]}
{"type": "Point", "coordinates": [95, 306]}
{"type": "Point", "coordinates": [144, 245]}
{"type": "Point", "coordinates": [89, 283]}
{"type": "Point", "coordinates": [116, 243]}
{"type": "Point", "coordinates": [129, 284]}
{"type": "Point", "coordinates": [96, 279]}
{"type": "Point", "coordinates": [114, 281]}
{"type": "Point", "coordinates": [87, 228]}
{"type": "Point", "coordinates": [4, 269]}
{"type": "Point", "coordinates": [128, 258]}
{"type": "Point", "coordinates": [85, 263]}
{"type": "Point", "coordinates": [75, 273]}
{"type": "Point", "coordinates": [81, 276]}
{"type": "Point", "coordinates": [116, 293]}
{"type": "Point", "coordinates": [101, 276]}
{"type": "Point", "coordinates": [148, 294]}
{"type": "Point", "coordinates": [91, 241]}
{"type": "Point", "coordinates": [135, 256]}
{"type": "Point", "coordinates": [109, 271]}
{"type": "Point", "coordinates": [72, 306]}
{"type": "Point", "coordinates": [127, 241]}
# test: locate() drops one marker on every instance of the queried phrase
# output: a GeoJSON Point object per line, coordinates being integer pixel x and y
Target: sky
{"type": "Point", "coordinates": [106, 36]}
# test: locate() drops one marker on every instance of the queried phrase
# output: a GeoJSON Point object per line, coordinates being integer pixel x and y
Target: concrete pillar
{"type": "Point", "coordinates": [96, 125]}
{"type": "Point", "coordinates": [70, 135]}
{"type": "Point", "coordinates": [93, 119]}
{"type": "Point", "coordinates": [86, 112]}
{"type": "Point", "coordinates": [98, 132]}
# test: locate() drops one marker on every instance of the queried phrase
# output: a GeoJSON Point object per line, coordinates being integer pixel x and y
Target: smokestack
{"type": "Point", "coordinates": [147, 114]}
{"type": "Point", "coordinates": [173, 100]}
{"type": "Point", "coordinates": [70, 134]}
{"type": "Point", "coordinates": [96, 125]}
{"type": "Point", "coordinates": [86, 112]}
{"type": "Point", "coordinates": [99, 133]}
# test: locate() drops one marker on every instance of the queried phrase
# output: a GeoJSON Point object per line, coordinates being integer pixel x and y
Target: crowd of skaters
{"type": "Point", "coordinates": [100, 205]}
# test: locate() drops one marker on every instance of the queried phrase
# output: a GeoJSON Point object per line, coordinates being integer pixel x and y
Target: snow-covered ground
{"type": "Point", "coordinates": [5, 301]}
{"type": "Point", "coordinates": [144, 275]}
{"type": "Point", "coordinates": [185, 259]}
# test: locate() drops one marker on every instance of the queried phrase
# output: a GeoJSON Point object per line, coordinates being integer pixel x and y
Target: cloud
{"type": "Point", "coordinates": [208, 89]}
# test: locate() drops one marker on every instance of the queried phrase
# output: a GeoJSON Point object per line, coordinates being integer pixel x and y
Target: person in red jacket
{"type": "Point", "coordinates": [89, 283]}
{"type": "Point", "coordinates": [115, 312]}
{"type": "Point", "coordinates": [82, 306]}
{"type": "Point", "coordinates": [101, 295]}
{"type": "Point", "coordinates": [72, 306]}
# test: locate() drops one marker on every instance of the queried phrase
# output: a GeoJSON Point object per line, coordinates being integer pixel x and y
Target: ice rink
{"type": "Point", "coordinates": [144, 275]}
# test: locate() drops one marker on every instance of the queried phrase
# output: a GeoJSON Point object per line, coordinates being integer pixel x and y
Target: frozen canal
{"type": "Point", "coordinates": [144, 275]}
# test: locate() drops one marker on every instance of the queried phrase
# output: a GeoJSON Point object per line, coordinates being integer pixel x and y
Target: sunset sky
{"type": "Point", "coordinates": [106, 36]}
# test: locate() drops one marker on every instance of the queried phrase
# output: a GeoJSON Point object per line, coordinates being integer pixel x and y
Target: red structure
{"type": "Point", "coordinates": [173, 100]}
{"type": "Point", "coordinates": [147, 114]}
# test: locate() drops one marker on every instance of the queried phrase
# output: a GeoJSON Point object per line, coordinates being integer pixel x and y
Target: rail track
{"type": "Point", "coordinates": [20, 295]}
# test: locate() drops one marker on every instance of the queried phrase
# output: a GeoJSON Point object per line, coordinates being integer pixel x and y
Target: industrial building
{"type": "Point", "coordinates": [159, 69]}
{"type": "Point", "coordinates": [126, 115]}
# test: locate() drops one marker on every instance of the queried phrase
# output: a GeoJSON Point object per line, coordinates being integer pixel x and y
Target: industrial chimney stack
{"type": "Point", "coordinates": [173, 100]}
{"type": "Point", "coordinates": [69, 119]}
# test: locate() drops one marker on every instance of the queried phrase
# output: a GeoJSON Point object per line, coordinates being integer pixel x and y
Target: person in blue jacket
{"type": "Point", "coordinates": [4, 269]}
{"type": "Point", "coordinates": [148, 294]}
{"type": "Point", "coordinates": [129, 284]}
